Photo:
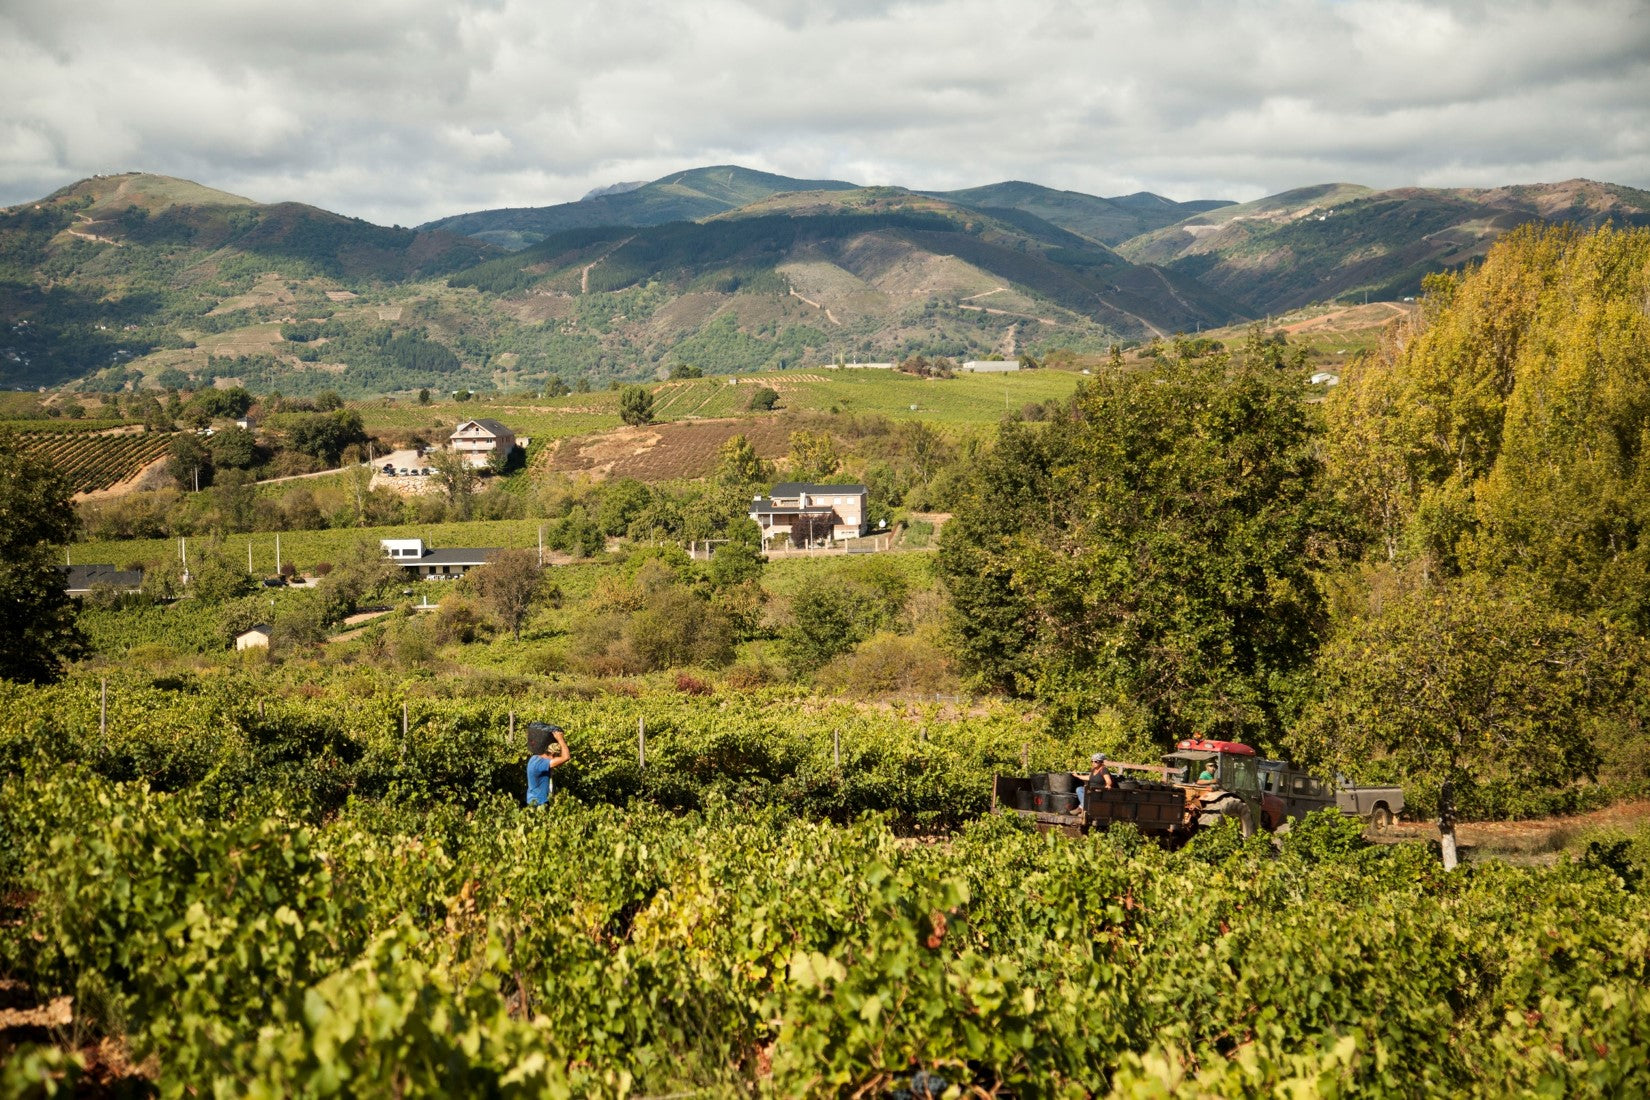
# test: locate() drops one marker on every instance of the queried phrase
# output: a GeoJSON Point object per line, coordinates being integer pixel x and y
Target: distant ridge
{"type": "Point", "coordinates": [680, 196]}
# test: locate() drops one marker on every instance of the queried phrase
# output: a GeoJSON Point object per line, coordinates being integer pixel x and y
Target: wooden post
{"type": "Point", "coordinates": [260, 708]}
{"type": "Point", "coordinates": [641, 742]}
{"type": "Point", "coordinates": [403, 721]}
{"type": "Point", "coordinates": [836, 747]}
{"type": "Point", "coordinates": [103, 709]}
{"type": "Point", "coordinates": [512, 727]}
{"type": "Point", "coordinates": [1025, 756]}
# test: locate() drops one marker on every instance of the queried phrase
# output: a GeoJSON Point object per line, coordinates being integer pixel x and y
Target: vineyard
{"type": "Point", "coordinates": [271, 891]}
{"type": "Point", "coordinates": [96, 460]}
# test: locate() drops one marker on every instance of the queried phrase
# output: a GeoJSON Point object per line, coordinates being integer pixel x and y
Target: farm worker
{"type": "Point", "coordinates": [1097, 771]}
{"type": "Point", "coordinates": [1207, 775]}
{"type": "Point", "coordinates": [542, 758]}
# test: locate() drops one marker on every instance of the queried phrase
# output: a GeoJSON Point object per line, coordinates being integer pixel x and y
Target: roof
{"type": "Point", "coordinates": [81, 578]}
{"type": "Point", "coordinates": [487, 424]}
{"type": "Point", "coordinates": [797, 488]}
{"type": "Point", "coordinates": [257, 628]}
{"type": "Point", "coordinates": [455, 556]}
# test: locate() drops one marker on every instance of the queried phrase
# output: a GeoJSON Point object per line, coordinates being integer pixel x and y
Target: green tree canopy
{"type": "Point", "coordinates": [1507, 428]}
{"type": "Point", "coordinates": [1150, 552]}
{"type": "Point", "coordinates": [1460, 683]}
{"type": "Point", "coordinates": [738, 464]}
{"type": "Point", "coordinates": [40, 634]}
{"type": "Point", "coordinates": [636, 405]}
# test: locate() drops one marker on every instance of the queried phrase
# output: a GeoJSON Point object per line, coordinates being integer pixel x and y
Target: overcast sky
{"type": "Point", "coordinates": [400, 111]}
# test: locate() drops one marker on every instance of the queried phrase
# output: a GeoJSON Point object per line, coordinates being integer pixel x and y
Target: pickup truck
{"type": "Point", "coordinates": [1302, 792]}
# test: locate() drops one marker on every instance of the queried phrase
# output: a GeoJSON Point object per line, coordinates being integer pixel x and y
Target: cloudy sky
{"type": "Point", "coordinates": [404, 110]}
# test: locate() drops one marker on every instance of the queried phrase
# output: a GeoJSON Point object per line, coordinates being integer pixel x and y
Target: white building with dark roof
{"type": "Point", "coordinates": [424, 563]}
{"type": "Point", "coordinates": [804, 513]}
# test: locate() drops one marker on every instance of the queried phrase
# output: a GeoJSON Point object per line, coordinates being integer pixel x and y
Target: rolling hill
{"type": "Point", "coordinates": [682, 196]}
{"type": "Point", "coordinates": [874, 262]}
{"type": "Point", "coordinates": [1342, 240]}
{"type": "Point", "coordinates": [1104, 221]}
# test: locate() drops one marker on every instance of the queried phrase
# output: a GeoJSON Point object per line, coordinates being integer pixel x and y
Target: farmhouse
{"type": "Point", "coordinates": [477, 441]}
{"type": "Point", "coordinates": [990, 366]}
{"type": "Point", "coordinates": [421, 561]}
{"type": "Point", "coordinates": [78, 580]}
{"type": "Point", "coordinates": [805, 513]}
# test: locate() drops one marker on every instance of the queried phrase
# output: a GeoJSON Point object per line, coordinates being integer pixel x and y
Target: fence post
{"type": "Point", "coordinates": [641, 742]}
{"type": "Point", "coordinates": [512, 727]}
{"type": "Point", "coordinates": [1025, 756]}
{"type": "Point", "coordinates": [836, 747]}
{"type": "Point", "coordinates": [103, 710]}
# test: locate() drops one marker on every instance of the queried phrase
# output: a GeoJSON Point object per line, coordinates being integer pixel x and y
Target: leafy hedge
{"type": "Point", "coordinates": [606, 951]}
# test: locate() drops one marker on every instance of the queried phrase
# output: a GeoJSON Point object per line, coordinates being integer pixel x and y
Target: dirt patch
{"type": "Point", "coordinates": [663, 452]}
{"type": "Point", "coordinates": [1537, 841]}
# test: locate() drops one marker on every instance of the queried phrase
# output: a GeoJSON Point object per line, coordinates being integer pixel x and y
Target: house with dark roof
{"type": "Point", "coordinates": [78, 580]}
{"type": "Point", "coordinates": [477, 441]}
{"type": "Point", "coordinates": [422, 562]}
{"type": "Point", "coordinates": [806, 514]}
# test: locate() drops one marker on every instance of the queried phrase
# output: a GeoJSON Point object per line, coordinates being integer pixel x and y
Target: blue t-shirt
{"type": "Point", "coordinates": [538, 781]}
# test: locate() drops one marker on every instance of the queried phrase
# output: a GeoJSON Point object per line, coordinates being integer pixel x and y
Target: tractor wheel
{"type": "Point", "coordinates": [1219, 810]}
{"type": "Point", "coordinates": [1381, 818]}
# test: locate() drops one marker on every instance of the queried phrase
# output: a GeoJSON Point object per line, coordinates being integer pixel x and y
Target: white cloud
{"type": "Point", "coordinates": [404, 110]}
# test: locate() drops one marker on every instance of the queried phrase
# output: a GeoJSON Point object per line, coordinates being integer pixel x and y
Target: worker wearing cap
{"type": "Point", "coordinates": [1098, 773]}
{"type": "Point", "coordinates": [539, 764]}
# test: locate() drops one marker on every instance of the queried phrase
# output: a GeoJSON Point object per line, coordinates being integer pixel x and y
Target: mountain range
{"type": "Point", "coordinates": [141, 279]}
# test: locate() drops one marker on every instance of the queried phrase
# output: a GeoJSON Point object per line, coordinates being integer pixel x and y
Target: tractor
{"type": "Point", "coordinates": [1170, 801]}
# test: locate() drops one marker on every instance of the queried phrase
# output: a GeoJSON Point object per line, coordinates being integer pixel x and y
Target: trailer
{"type": "Point", "coordinates": [1170, 808]}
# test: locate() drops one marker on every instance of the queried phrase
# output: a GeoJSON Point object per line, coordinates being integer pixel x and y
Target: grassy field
{"type": "Point", "coordinates": [305, 548]}
{"type": "Point", "coordinates": [966, 399]}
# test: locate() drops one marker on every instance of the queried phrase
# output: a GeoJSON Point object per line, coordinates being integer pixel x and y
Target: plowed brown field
{"type": "Point", "coordinates": [662, 452]}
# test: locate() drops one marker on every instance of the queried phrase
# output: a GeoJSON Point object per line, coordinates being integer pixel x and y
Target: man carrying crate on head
{"type": "Point", "coordinates": [542, 757]}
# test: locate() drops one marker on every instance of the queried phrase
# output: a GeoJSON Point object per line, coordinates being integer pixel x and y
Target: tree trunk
{"type": "Point", "coordinates": [1446, 824]}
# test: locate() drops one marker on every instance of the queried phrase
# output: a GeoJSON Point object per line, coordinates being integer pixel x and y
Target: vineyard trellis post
{"type": "Point", "coordinates": [836, 747]}
{"type": "Point", "coordinates": [103, 709]}
{"type": "Point", "coordinates": [1025, 756]}
{"type": "Point", "coordinates": [641, 742]}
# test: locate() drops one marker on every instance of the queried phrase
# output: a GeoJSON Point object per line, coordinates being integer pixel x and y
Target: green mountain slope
{"type": "Point", "coordinates": [1107, 221]}
{"type": "Point", "coordinates": [877, 259]}
{"type": "Point", "coordinates": [682, 196]}
{"type": "Point", "coordinates": [107, 270]}
{"type": "Point", "coordinates": [1342, 240]}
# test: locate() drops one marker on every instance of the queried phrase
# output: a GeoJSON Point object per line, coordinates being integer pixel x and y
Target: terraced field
{"type": "Point", "coordinates": [97, 460]}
